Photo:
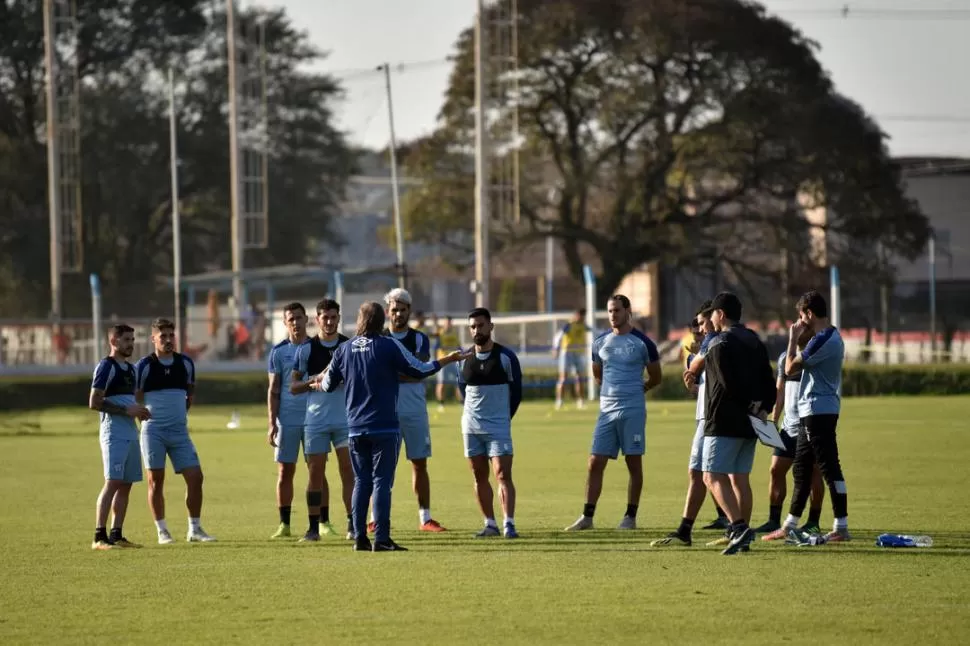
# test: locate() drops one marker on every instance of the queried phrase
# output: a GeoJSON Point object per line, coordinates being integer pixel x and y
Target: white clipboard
{"type": "Point", "coordinates": [767, 433]}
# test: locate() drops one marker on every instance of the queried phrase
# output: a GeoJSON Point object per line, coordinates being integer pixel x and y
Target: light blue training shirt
{"type": "Point", "coordinates": [623, 358]}
{"type": "Point", "coordinates": [820, 389]}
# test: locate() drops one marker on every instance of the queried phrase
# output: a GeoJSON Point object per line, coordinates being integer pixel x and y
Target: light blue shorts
{"type": "Point", "coordinates": [491, 444]}
{"type": "Point", "coordinates": [617, 430]}
{"type": "Point", "coordinates": [121, 459]}
{"type": "Point", "coordinates": [729, 454]}
{"type": "Point", "coordinates": [448, 374]}
{"type": "Point", "coordinates": [288, 442]}
{"type": "Point", "coordinates": [572, 362]}
{"type": "Point", "coordinates": [416, 434]}
{"type": "Point", "coordinates": [174, 443]}
{"type": "Point", "coordinates": [696, 462]}
{"type": "Point", "coordinates": [319, 439]}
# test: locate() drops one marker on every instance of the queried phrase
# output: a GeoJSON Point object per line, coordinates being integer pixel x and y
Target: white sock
{"type": "Point", "coordinates": [194, 524]}
{"type": "Point", "coordinates": [509, 520]}
{"type": "Point", "coordinates": [791, 522]}
{"type": "Point", "coordinates": [490, 522]}
{"type": "Point", "coordinates": [161, 525]}
{"type": "Point", "coordinates": [841, 523]}
{"type": "Point", "coordinates": [424, 515]}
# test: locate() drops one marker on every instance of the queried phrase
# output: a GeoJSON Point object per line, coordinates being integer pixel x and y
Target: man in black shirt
{"type": "Point", "coordinates": [739, 383]}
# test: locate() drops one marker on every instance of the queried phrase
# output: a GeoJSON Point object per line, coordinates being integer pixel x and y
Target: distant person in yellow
{"type": "Point", "coordinates": [420, 324]}
{"type": "Point", "coordinates": [447, 342]}
{"type": "Point", "coordinates": [690, 343]}
{"type": "Point", "coordinates": [570, 348]}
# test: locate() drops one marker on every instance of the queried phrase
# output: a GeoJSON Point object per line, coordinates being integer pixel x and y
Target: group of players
{"type": "Point", "coordinates": [308, 406]}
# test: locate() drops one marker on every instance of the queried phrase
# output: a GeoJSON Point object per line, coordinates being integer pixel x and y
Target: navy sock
{"type": "Point", "coordinates": [774, 514]}
{"type": "Point", "coordinates": [589, 510]}
{"type": "Point", "coordinates": [686, 526]}
{"type": "Point", "coordinates": [314, 524]}
{"type": "Point", "coordinates": [100, 534]}
{"type": "Point", "coordinates": [285, 515]}
{"type": "Point", "coordinates": [814, 516]}
{"type": "Point", "coordinates": [325, 514]}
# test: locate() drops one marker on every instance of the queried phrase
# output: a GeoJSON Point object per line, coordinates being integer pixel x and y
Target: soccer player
{"type": "Point", "coordinates": [781, 460]}
{"type": "Point", "coordinates": [286, 411]}
{"type": "Point", "coordinates": [412, 405]}
{"type": "Point", "coordinates": [370, 364]}
{"type": "Point", "coordinates": [165, 383]}
{"type": "Point", "coordinates": [325, 424]}
{"type": "Point", "coordinates": [696, 489]}
{"type": "Point", "coordinates": [447, 341]}
{"type": "Point", "coordinates": [819, 405]}
{"type": "Point", "coordinates": [113, 396]}
{"type": "Point", "coordinates": [619, 357]}
{"type": "Point", "coordinates": [739, 384]}
{"type": "Point", "coordinates": [491, 385]}
{"type": "Point", "coordinates": [570, 348]}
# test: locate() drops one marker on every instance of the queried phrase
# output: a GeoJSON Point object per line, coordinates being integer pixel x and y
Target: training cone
{"type": "Point", "coordinates": [233, 422]}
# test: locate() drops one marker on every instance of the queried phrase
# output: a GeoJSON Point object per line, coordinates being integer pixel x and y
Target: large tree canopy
{"type": "Point", "coordinates": [671, 130]}
{"type": "Point", "coordinates": [124, 50]}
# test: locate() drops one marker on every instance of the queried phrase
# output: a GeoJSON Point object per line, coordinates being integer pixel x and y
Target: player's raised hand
{"type": "Point", "coordinates": [138, 411]}
{"type": "Point", "coordinates": [456, 356]}
{"type": "Point", "coordinates": [690, 379]}
{"type": "Point", "coordinates": [796, 329]}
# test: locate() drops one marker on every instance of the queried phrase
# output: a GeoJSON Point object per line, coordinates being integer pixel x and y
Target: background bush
{"type": "Point", "coordinates": [26, 393]}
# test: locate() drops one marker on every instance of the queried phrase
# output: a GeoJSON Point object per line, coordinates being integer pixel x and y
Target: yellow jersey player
{"type": "Point", "coordinates": [447, 342]}
{"type": "Point", "coordinates": [570, 348]}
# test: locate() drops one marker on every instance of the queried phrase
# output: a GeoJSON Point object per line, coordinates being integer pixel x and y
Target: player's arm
{"type": "Point", "coordinates": [408, 364]}
{"type": "Point", "coordinates": [333, 375]}
{"type": "Point", "coordinates": [298, 385]}
{"type": "Point", "coordinates": [190, 386]}
{"type": "Point", "coordinates": [423, 354]}
{"type": "Point", "coordinates": [818, 350]}
{"type": "Point", "coordinates": [462, 385]}
{"type": "Point", "coordinates": [96, 401]}
{"type": "Point", "coordinates": [694, 371]}
{"type": "Point", "coordinates": [597, 364]}
{"type": "Point", "coordinates": [515, 384]}
{"type": "Point", "coordinates": [654, 369]}
{"type": "Point", "coordinates": [779, 399]}
{"type": "Point", "coordinates": [557, 340]}
{"type": "Point", "coordinates": [141, 373]}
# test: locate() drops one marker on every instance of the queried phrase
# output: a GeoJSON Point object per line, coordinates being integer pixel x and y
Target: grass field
{"type": "Point", "coordinates": [905, 462]}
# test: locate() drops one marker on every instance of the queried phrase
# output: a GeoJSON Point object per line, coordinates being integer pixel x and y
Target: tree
{"type": "Point", "coordinates": [124, 50]}
{"type": "Point", "coordinates": [682, 132]}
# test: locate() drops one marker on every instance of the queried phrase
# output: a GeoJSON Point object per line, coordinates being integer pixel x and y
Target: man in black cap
{"type": "Point", "coordinates": [739, 382]}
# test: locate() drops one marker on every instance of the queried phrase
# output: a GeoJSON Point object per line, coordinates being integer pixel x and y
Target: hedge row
{"type": "Point", "coordinates": [25, 393]}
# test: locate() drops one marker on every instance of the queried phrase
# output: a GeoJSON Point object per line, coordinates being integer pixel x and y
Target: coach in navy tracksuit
{"type": "Point", "coordinates": [369, 365]}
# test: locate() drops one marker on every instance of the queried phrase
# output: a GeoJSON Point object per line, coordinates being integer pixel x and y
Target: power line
{"type": "Point", "coordinates": [401, 68]}
{"type": "Point", "coordinates": [848, 12]}
{"type": "Point", "coordinates": [924, 118]}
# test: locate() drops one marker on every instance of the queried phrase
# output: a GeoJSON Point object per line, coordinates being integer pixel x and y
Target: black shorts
{"type": "Point", "coordinates": [790, 443]}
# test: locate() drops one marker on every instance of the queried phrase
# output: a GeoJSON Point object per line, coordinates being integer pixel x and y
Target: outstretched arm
{"type": "Point", "coordinates": [515, 384]}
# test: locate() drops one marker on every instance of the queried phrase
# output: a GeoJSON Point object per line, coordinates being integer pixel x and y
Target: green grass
{"type": "Point", "coordinates": [905, 461]}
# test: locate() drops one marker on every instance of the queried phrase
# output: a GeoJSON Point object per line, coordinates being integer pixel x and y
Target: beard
{"type": "Point", "coordinates": [481, 339]}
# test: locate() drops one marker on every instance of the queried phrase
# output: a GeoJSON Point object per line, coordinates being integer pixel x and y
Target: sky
{"type": "Point", "coordinates": [902, 60]}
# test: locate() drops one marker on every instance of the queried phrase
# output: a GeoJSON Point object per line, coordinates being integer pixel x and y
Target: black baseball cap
{"type": "Point", "coordinates": [729, 303]}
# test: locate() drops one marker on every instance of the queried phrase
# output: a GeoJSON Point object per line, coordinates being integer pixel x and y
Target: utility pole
{"type": "Point", "coordinates": [482, 179]}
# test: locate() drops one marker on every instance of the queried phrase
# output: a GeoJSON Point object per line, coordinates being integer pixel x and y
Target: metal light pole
{"type": "Point", "coordinates": [402, 271]}
{"type": "Point", "coordinates": [53, 159]}
{"type": "Point", "coordinates": [236, 226]}
{"type": "Point", "coordinates": [482, 178]}
{"type": "Point", "coordinates": [932, 254]}
{"type": "Point", "coordinates": [176, 216]}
